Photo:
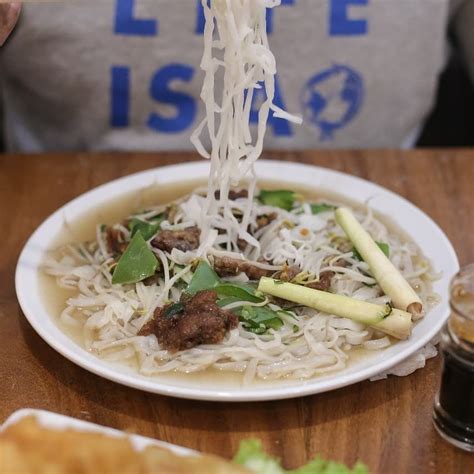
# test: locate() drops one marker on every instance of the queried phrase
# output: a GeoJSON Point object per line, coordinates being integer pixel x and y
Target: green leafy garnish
{"type": "Point", "coordinates": [322, 207]}
{"type": "Point", "coordinates": [174, 309]}
{"type": "Point", "coordinates": [204, 278]}
{"type": "Point", "coordinates": [229, 300]}
{"type": "Point", "coordinates": [279, 198]}
{"type": "Point", "coordinates": [147, 229]}
{"type": "Point", "coordinates": [251, 456]}
{"type": "Point", "coordinates": [239, 292]}
{"type": "Point", "coordinates": [385, 248]}
{"type": "Point", "coordinates": [255, 319]}
{"type": "Point", "coordinates": [260, 319]}
{"type": "Point", "coordinates": [137, 262]}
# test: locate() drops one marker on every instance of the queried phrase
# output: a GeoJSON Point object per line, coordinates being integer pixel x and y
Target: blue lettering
{"type": "Point", "coordinates": [161, 91]}
{"type": "Point", "coordinates": [339, 22]}
{"type": "Point", "coordinates": [200, 18]}
{"type": "Point", "coordinates": [127, 24]}
{"type": "Point", "coordinates": [120, 96]}
{"type": "Point", "coordinates": [280, 127]}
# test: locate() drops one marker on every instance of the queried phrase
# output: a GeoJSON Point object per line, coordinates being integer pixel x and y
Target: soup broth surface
{"type": "Point", "coordinates": [83, 229]}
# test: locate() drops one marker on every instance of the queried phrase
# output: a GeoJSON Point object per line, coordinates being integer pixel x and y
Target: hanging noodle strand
{"type": "Point", "coordinates": [236, 53]}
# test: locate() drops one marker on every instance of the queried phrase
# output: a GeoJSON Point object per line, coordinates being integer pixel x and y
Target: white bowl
{"type": "Point", "coordinates": [416, 224]}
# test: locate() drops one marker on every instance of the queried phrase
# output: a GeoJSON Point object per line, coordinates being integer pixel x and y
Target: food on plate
{"type": "Point", "coordinates": [28, 447]}
{"type": "Point", "coordinates": [294, 300]}
{"type": "Point", "coordinates": [383, 318]}
{"type": "Point", "coordinates": [186, 286]}
{"type": "Point", "coordinates": [403, 296]}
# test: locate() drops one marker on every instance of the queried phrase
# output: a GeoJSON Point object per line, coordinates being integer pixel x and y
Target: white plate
{"type": "Point", "coordinates": [420, 228]}
{"type": "Point", "coordinates": [48, 419]}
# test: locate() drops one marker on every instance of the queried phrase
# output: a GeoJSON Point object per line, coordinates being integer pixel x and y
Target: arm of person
{"type": "Point", "coordinates": [9, 13]}
{"type": "Point", "coordinates": [463, 28]}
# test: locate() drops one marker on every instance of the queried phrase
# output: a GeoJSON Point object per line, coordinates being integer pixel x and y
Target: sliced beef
{"type": "Point", "coordinates": [233, 194]}
{"type": "Point", "coordinates": [184, 240]}
{"type": "Point", "coordinates": [199, 320]}
{"type": "Point", "coordinates": [115, 239]}
{"type": "Point", "coordinates": [263, 221]}
{"type": "Point", "coordinates": [325, 278]}
{"type": "Point", "coordinates": [289, 273]}
{"type": "Point", "coordinates": [242, 244]}
{"type": "Point", "coordinates": [324, 282]}
{"type": "Point", "coordinates": [345, 246]}
{"type": "Point", "coordinates": [152, 280]}
{"type": "Point", "coordinates": [340, 263]}
{"type": "Point", "coordinates": [226, 266]}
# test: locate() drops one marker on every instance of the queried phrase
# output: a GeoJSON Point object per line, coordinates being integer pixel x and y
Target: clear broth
{"type": "Point", "coordinates": [83, 229]}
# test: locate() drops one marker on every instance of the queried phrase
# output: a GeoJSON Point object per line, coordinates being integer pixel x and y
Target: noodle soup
{"type": "Point", "coordinates": [107, 318]}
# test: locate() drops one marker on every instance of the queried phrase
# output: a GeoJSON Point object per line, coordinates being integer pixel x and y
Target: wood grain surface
{"type": "Point", "coordinates": [386, 424]}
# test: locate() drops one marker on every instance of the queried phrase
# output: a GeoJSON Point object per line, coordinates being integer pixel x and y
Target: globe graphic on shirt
{"type": "Point", "coordinates": [332, 98]}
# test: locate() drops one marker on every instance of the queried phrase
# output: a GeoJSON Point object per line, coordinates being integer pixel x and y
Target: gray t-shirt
{"type": "Point", "coordinates": [125, 74]}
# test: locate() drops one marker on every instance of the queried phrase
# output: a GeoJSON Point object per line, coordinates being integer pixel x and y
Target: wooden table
{"type": "Point", "coordinates": [386, 424]}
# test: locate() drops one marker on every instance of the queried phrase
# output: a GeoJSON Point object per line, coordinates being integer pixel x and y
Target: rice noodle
{"type": "Point", "coordinates": [308, 343]}
{"type": "Point", "coordinates": [236, 51]}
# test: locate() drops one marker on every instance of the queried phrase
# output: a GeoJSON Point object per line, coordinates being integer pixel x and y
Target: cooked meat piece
{"type": "Point", "coordinates": [152, 280]}
{"type": "Point", "coordinates": [233, 194]}
{"type": "Point", "coordinates": [325, 278]}
{"type": "Point", "coordinates": [115, 241]}
{"type": "Point", "coordinates": [345, 246]}
{"type": "Point", "coordinates": [226, 266]}
{"type": "Point", "coordinates": [199, 320]}
{"type": "Point", "coordinates": [184, 240]}
{"type": "Point", "coordinates": [324, 282]}
{"type": "Point", "coordinates": [289, 273]}
{"type": "Point", "coordinates": [242, 244]}
{"type": "Point", "coordinates": [263, 221]}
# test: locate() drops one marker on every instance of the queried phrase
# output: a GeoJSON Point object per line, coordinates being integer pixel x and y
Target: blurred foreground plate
{"type": "Point", "coordinates": [56, 421]}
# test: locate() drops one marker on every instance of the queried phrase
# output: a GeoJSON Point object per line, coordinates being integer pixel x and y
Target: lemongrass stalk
{"type": "Point", "coordinates": [392, 282]}
{"type": "Point", "coordinates": [391, 321]}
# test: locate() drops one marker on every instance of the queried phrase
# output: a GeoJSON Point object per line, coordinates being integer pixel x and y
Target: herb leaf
{"type": "Point", "coordinates": [385, 248]}
{"type": "Point", "coordinates": [174, 309]}
{"type": "Point", "coordinates": [260, 319]}
{"type": "Point", "coordinates": [239, 292]}
{"type": "Point", "coordinates": [204, 278]}
{"type": "Point", "coordinates": [229, 300]}
{"type": "Point", "coordinates": [279, 198]}
{"type": "Point", "coordinates": [321, 207]}
{"type": "Point", "coordinates": [137, 262]}
{"type": "Point", "coordinates": [147, 229]}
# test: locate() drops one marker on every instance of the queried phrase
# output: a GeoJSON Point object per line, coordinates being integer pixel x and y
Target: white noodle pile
{"type": "Point", "coordinates": [309, 343]}
{"type": "Point", "coordinates": [236, 53]}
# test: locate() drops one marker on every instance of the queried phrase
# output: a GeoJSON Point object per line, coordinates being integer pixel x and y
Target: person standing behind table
{"type": "Point", "coordinates": [125, 74]}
